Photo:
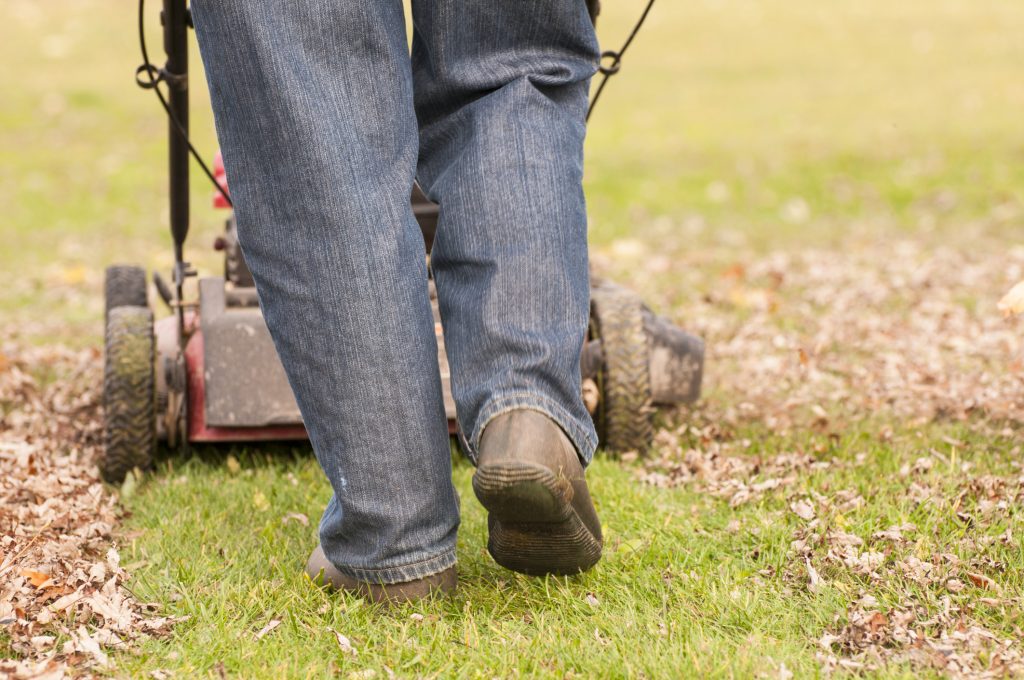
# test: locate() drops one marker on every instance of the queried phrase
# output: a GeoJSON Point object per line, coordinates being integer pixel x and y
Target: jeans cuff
{"type": "Point", "coordinates": [403, 573]}
{"type": "Point", "coordinates": [582, 438]}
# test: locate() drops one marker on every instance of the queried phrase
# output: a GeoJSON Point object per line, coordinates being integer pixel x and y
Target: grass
{"type": "Point", "coordinates": [735, 126]}
{"type": "Point", "coordinates": [677, 593]}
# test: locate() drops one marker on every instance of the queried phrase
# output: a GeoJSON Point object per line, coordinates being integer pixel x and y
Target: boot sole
{"type": "Point", "coordinates": [533, 527]}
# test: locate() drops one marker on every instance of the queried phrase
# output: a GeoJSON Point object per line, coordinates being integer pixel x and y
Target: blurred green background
{"type": "Point", "coordinates": [734, 124]}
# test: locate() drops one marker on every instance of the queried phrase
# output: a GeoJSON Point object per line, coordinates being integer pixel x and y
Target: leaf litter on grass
{"type": "Point", "coordinates": [63, 602]}
{"type": "Point", "coordinates": [798, 338]}
{"type": "Point", "coordinates": [822, 341]}
{"type": "Point", "coordinates": [804, 340]}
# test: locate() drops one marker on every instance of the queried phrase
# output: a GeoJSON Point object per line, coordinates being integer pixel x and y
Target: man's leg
{"type": "Point", "coordinates": [501, 96]}
{"type": "Point", "coordinates": [313, 102]}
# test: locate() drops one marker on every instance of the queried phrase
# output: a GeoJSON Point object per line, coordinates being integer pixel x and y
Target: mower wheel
{"type": "Point", "coordinates": [624, 414]}
{"type": "Point", "coordinates": [129, 393]}
{"type": "Point", "coordinates": [125, 286]}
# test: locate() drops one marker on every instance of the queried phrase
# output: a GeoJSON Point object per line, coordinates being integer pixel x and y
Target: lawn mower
{"type": "Point", "coordinates": [209, 372]}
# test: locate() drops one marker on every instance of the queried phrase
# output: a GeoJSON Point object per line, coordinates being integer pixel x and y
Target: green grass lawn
{"type": "Point", "coordinates": [736, 130]}
{"type": "Point", "coordinates": [688, 584]}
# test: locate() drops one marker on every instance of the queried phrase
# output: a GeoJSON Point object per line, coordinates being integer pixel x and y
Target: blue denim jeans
{"type": "Point", "coordinates": [325, 119]}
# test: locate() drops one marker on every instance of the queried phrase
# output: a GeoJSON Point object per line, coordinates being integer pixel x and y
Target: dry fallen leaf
{"type": "Point", "coordinates": [803, 509]}
{"type": "Point", "coordinates": [365, 674]}
{"type": "Point", "coordinates": [895, 533]}
{"type": "Point", "coordinates": [43, 641]}
{"type": "Point", "coordinates": [63, 603]}
{"type": "Point", "coordinates": [877, 621]}
{"type": "Point", "coordinates": [982, 581]}
{"type": "Point", "coordinates": [296, 516]}
{"type": "Point", "coordinates": [1013, 302]}
{"type": "Point", "coordinates": [36, 578]}
{"type": "Point", "coordinates": [271, 625]}
{"type": "Point", "coordinates": [86, 643]}
{"type": "Point", "coordinates": [814, 583]}
{"type": "Point", "coordinates": [344, 643]}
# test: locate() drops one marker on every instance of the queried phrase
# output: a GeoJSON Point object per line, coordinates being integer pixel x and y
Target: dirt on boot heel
{"type": "Point", "coordinates": [540, 516]}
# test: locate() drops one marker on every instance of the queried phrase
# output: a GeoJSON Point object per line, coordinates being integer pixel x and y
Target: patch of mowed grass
{"type": "Point", "coordinates": [688, 584]}
{"type": "Point", "coordinates": [659, 590]}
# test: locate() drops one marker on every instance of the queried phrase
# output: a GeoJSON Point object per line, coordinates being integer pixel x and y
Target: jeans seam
{"type": "Point", "coordinates": [498, 405]}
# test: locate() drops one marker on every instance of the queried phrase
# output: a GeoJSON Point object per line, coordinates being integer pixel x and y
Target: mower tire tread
{"type": "Point", "coordinates": [625, 410]}
{"type": "Point", "coordinates": [125, 286]}
{"type": "Point", "coordinates": [129, 393]}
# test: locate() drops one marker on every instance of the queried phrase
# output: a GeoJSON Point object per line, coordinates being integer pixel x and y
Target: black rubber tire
{"type": "Point", "coordinates": [624, 417]}
{"type": "Point", "coordinates": [129, 393]}
{"type": "Point", "coordinates": [125, 286]}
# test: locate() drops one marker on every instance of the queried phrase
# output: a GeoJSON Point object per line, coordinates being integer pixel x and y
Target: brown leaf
{"type": "Point", "coordinates": [65, 602]}
{"type": "Point", "coordinates": [802, 509]}
{"type": "Point", "coordinates": [982, 581]}
{"type": "Point", "coordinates": [297, 517]}
{"type": "Point", "coordinates": [271, 625]}
{"type": "Point", "coordinates": [1013, 302]}
{"type": "Point", "coordinates": [814, 581]}
{"type": "Point", "coordinates": [877, 621]}
{"type": "Point", "coordinates": [344, 643]}
{"type": "Point", "coordinates": [36, 578]}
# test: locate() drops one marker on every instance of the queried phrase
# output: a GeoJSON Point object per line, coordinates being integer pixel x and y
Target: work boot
{"type": "Point", "coordinates": [320, 570]}
{"type": "Point", "coordinates": [541, 519]}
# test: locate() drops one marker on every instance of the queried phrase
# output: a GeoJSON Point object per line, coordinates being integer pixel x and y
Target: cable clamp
{"type": "Point", "coordinates": [613, 67]}
{"type": "Point", "coordinates": [154, 76]}
{"type": "Point", "coordinates": [182, 270]}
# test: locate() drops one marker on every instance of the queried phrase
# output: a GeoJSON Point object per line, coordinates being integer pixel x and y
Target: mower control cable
{"type": "Point", "coordinates": [611, 60]}
{"type": "Point", "coordinates": [148, 76]}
